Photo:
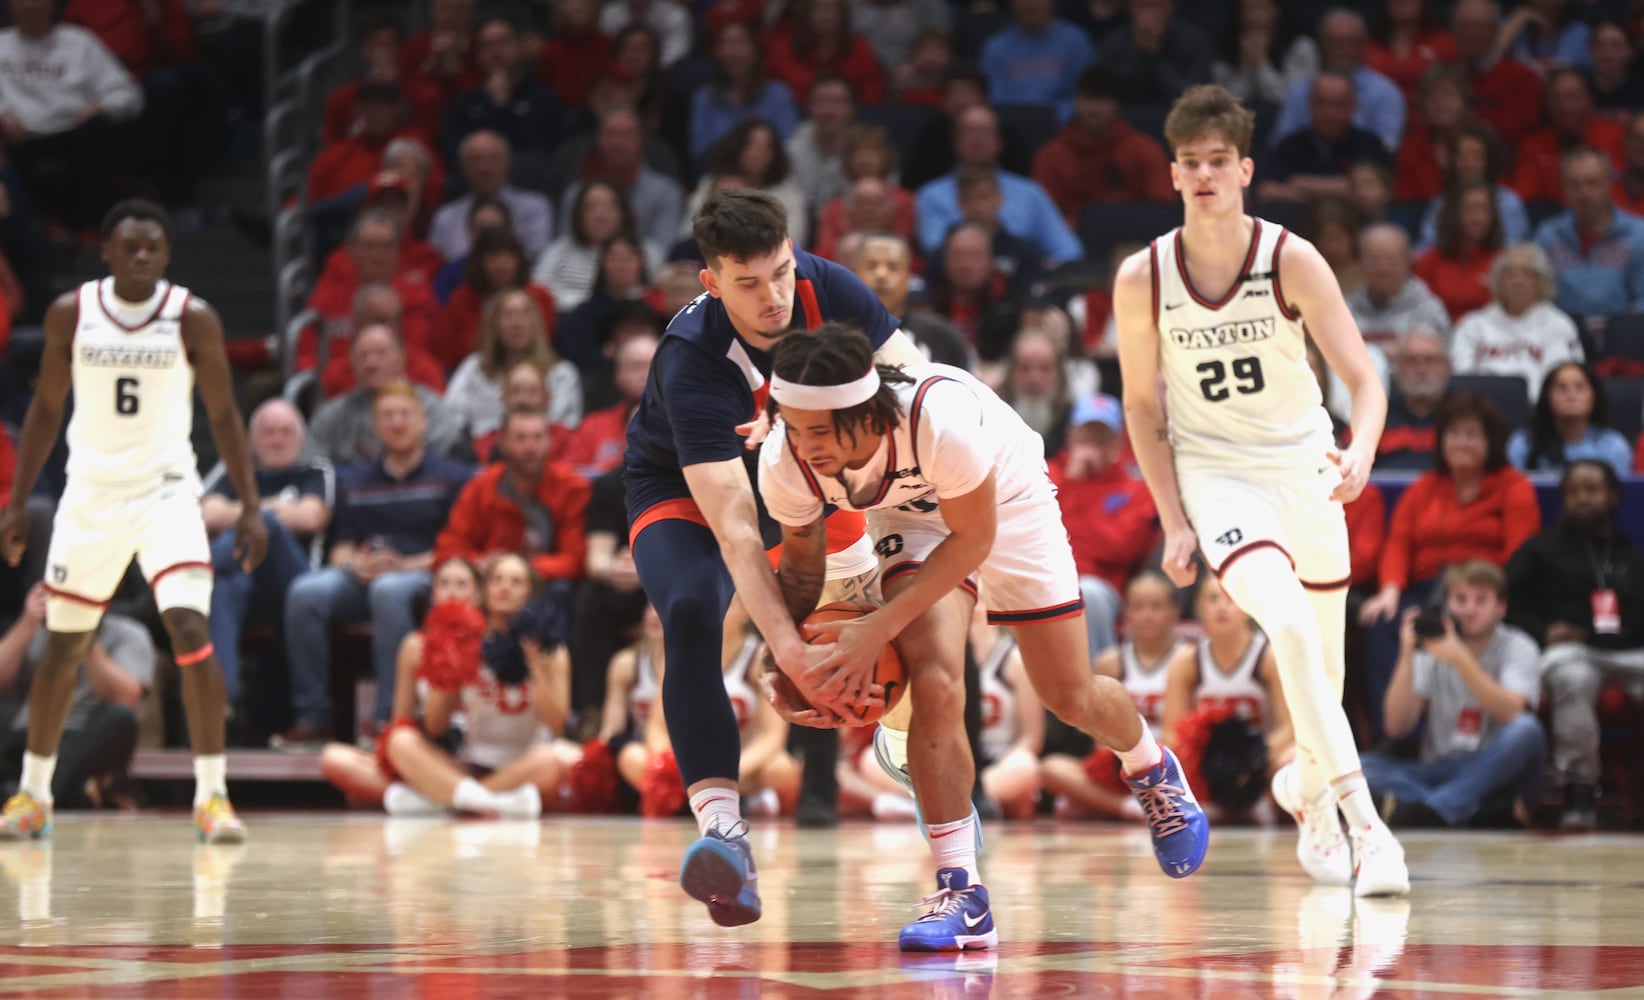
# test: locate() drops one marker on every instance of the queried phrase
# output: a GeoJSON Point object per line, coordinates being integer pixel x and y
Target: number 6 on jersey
{"type": "Point", "coordinates": [125, 396]}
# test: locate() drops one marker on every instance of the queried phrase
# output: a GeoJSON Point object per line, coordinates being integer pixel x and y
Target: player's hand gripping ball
{"type": "Point", "coordinates": [889, 670]}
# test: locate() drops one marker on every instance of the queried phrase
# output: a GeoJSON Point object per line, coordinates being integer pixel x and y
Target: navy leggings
{"type": "Point", "coordinates": [682, 572]}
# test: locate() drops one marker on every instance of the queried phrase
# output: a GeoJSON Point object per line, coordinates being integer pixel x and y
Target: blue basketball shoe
{"type": "Point", "coordinates": [959, 917]}
{"type": "Point", "coordinates": [1181, 833]}
{"type": "Point", "coordinates": [719, 870]}
{"type": "Point", "coordinates": [881, 755]}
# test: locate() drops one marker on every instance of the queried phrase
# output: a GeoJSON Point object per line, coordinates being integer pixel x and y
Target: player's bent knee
{"type": "Point", "coordinates": [936, 692]}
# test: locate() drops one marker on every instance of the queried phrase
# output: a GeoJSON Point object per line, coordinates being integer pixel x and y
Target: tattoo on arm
{"type": "Point", "coordinates": [1163, 434]}
{"type": "Point", "coordinates": [801, 584]}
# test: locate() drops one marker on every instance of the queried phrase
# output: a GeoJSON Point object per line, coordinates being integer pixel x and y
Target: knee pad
{"type": "Point", "coordinates": [184, 587]}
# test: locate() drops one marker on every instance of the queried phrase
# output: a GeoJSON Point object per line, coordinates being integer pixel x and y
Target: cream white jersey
{"type": "Point", "coordinates": [739, 686]}
{"type": "Point", "coordinates": [500, 721]}
{"type": "Point", "coordinates": [1239, 391]}
{"type": "Point", "coordinates": [1145, 682]}
{"type": "Point", "coordinates": [133, 416]}
{"type": "Point", "coordinates": [644, 693]}
{"type": "Point", "coordinates": [1001, 715]}
{"type": "Point", "coordinates": [1240, 689]}
{"type": "Point", "coordinates": [954, 432]}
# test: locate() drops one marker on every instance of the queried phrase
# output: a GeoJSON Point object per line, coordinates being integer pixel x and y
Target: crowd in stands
{"type": "Point", "coordinates": [503, 206]}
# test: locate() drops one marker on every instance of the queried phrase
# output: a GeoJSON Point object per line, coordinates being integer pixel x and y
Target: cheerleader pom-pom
{"type": "Point", "coordinates": [1192, 737]}
{"type": "Point", "coordinates": [1102, 767]}
{"type": "Point", "coordinates": [662, 792]}
{"type": "Point", "coordinates": [452, 638]}
{"type": "Point", "coordinates": [1234, 765]}
{"type": "Point", "coordinates": [506, 658]}
{"type": "Point", "coordinates": [594, 779]}
{"type": "Point", "coordinates": [540, 622]}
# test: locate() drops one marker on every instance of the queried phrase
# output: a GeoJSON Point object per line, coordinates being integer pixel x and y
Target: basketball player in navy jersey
{"type": "Point", "coordinates": [693, 514]}
{"type": "Point", "coordinates": [134, 346]}
{"type": "Point", "coordinates": [1245, 468]}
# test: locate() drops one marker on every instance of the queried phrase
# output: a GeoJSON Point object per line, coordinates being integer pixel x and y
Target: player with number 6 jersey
{"type": "Point", "coordinates": [1244, 468]}
{"type": "Point", "coordinates": [133, 346]}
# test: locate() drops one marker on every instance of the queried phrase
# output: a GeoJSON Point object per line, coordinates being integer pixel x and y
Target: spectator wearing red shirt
{"type": "Point", "coordinates": [395, 194]}
{"type": "Point", "coordinates": [352, 161]}
{"type": "Point", "coordinates": [1405, 41]}
{"type": "Point", "coordinates": [597, 445]}
{"type": "Point", "coordinates": [1099, 158]}
{"type": "Point", "coordinates": [875, 202]}
{"type": "Point", "coordinates": [496, 262]}
{"type": "Point", "coordinates": [373, 305]}
{"type": "Point", "coordinates": [1618, 90]}
{"type": "Point", "coordinates": [1457, 267]}
{"type": "Point", "coordinates": [921, 80]}
{"type": "Point", "coordinates": [1107, 509]}
{"type": "Point", "coordinates": [1571, 125]}
{"type": "Point", "coordinates": [444, 54]}
{"type": "Point", "coordinates": [379, 49]}
{"type": "Point", "coordinates": [1506, 93]}
{"type": "Point", "coordinates": [1473, 505]}
{"type": "Point", "coordinates": [1629, 185]}
{"type": "Point", "coordinates": [821, 41]}
{"type": "Point", "coordinates": [575, 52]}
{"type": "Point", "coordinates": [1442, 112]}
{"type": "Point", "coordinates": [524, 504]}
{"type": "Point", "coordinates": [524, 387]}
{"type": "Point", "coordinates": [373, 253]}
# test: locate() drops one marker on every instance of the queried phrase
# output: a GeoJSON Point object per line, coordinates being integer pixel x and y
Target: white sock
{"type": "Point", "coordinates": [765, 802]}
{"type": "Point", "coordinates": [37, 774]}
{"type": "Point", "coordinates": [716, 809]}
{"type": "Point", "coordinates": [1142, 757]}
{"type": "Point", "coordinates": [210, 777]}
{"type": "Point", "coordinates": [896, 746]}
{"type": "Point", "coordinates": [524, 802]}
{"type": "Point", "coordinates": [953, 845]}
{"type": "Point", "coordinates": [471, 796]}
{"type": "Point", "coordinates": [401, 799]}
{"type": "Point", "coordinates": [1353, 795]}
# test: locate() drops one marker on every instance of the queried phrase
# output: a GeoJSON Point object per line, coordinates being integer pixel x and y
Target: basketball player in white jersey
{"type": "Point", "coordinates": [954, 484]}
{"type": "Point", "coordinates": [134, 346]}
{"type": "Point", "coordinates": [1244, 468]}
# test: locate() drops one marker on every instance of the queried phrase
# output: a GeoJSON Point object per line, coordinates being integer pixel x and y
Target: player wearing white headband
{"type": "Point", "coordinates": [957, 495]}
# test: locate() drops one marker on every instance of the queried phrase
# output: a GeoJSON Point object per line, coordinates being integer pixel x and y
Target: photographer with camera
{"type": "Point", "coordinates": [1476, 681]}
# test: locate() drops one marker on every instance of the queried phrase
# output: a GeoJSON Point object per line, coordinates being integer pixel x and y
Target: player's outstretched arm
{"type": "Point", "coordinates": [1145, 413]}
{"type": "Point", "coordinates": [899, 349]}
{"type": "Point", "coordinates": [722, 491]}
{"type": "Point", "coordinates": [803, 571]}
{"type": "Point", "coordinates": [1311, 288]}
{"type": "Point", "coordinates": [44, 420]}
{"type": "Point", "coordinates": [203, 336]}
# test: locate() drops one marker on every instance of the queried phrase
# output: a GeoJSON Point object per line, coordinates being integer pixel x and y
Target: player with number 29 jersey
{"type": "Point", "coordinates": [1241, 391]}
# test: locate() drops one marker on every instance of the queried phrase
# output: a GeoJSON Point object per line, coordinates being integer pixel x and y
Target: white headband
{"type": "Point", "coordinates": [825, 397]}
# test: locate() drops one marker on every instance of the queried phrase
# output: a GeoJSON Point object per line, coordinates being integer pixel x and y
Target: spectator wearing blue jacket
{"type": "Point", "coordinates": [737, 92]}
{"type": "Point", "coordinates": [1381, 110]}
{"type": "Point", "coordinates": [1037, 60]}
{"type": "Point", "coordinates": [1027, 211]}
{"type": "Point", "coordinates": [1597, 249]}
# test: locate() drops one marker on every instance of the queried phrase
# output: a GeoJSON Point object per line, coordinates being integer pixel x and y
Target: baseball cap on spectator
{"type": "Point", "coordinates": [1098, 408]}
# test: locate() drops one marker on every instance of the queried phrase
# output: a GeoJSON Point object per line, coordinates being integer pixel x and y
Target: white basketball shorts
{"type": "Point", "coordinates": [1028, 577]}
{"type": "Point", "coordinates": [1235, 512]}
{"type": "Point", "coordinates": [100, 527]}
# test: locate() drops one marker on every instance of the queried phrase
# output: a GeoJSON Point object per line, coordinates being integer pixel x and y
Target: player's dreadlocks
{"type": "Point", "coordinates": [834, 354]}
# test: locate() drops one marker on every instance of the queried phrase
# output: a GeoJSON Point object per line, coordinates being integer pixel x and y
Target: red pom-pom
{"type": "Point", "coordinates": [1103, 768]}
{"type": "Point", "coordinates": [1613, 700]}
{"type": "Point", "coordinates": [385, 765]}
{"type": "Point", "coordinates": [594, 779]}
{"type": "Point", "coordinates": [453, 635]}
{"type": "Point", "coordinates": [662, 792]}
{"type": "Point", "coordinates": [1192, 736]}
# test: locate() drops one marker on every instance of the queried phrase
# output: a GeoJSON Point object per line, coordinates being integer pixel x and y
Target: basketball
{"type": "Point", "coordinates": [889, 672]}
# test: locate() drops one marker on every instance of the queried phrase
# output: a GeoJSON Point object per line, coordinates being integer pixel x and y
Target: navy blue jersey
{"type": "Point", "coordinates": [705, 379]}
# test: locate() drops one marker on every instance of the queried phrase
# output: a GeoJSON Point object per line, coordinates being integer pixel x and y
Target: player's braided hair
{"type": "Point", "coordinates": [836, 353]}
